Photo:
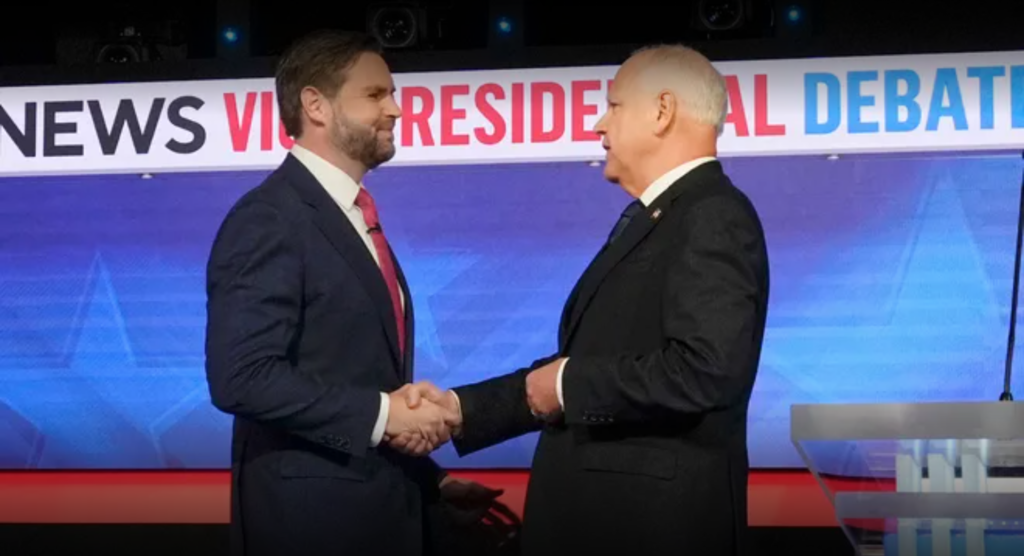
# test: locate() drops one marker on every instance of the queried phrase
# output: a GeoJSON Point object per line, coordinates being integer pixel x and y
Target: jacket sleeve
{"type": "Point", "coordinates": [254, 306]}
{"type": "Point", "coordinates": [496, 410]}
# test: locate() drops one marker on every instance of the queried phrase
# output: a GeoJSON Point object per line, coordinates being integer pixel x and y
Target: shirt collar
{"type": "Point", "coordinates": [339, 185]}
{"type": "Point", "coordinates": [661, 184]}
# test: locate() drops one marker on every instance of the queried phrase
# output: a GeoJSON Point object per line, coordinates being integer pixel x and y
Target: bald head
{"type": "Point", "coordinates": [666, 107]}
{"type": "Point", "coordinates": [688, 75]}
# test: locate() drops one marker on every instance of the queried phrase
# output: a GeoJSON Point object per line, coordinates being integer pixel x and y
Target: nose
{"type": "Point", "coordinates": [391, 108]}
{"type": "Point", "coordinates": [600, 127]}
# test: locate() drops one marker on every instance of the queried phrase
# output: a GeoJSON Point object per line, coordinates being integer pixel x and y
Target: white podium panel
{"type": "Point", "coordinates": [920, 479]}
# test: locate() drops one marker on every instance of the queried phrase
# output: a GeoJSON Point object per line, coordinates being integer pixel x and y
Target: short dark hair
{"type": "Point", "coordinates": [320, 59]}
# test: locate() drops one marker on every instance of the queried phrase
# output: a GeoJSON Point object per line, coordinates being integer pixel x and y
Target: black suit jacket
{"type": "Point", "coordinates": [663, 333]}
{"type": "Point", "coordinates": [301, 340]}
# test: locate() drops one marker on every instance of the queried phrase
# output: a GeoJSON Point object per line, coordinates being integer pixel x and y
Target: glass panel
{"type": "Point", "coordinates": [920, 479]}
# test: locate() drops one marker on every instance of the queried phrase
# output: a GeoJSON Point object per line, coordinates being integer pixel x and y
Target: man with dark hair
{"type": "Point", "coordinates": [310, 329]}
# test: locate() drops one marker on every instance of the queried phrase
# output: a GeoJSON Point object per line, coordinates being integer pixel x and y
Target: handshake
{"type": "Point", "coordinates": [421, 418]}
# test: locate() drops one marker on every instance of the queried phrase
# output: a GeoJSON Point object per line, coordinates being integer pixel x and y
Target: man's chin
{"type": "Point", "coordinates": [383, 155]}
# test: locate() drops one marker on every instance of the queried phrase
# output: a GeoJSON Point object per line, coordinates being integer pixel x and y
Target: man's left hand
{"type": "Point", "coordinates": [541, 390]}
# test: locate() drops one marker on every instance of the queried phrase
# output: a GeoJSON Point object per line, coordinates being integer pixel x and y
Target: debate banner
{"type": "Point", "coordinates": [778, 107]}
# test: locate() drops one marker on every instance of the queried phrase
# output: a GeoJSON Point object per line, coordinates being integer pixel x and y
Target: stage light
{"type": "Point", "coordinates": [395, 25]}
{"type": "Point", "coordinates": [721, 15]}
{"type": "Point", "coordinates": [127, 47]}
{"type": "Point", "coordinates": [794, 20]}
{"type": "Point", "coordinates": [505, 22]}
{"type": "Point", "coordinates": [230, 35]}
{"type": "Point", "coordinates": [118, 54]}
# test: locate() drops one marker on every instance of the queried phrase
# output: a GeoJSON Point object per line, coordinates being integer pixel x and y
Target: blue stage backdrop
{"type": "Point", "coordinates": [891, 281]}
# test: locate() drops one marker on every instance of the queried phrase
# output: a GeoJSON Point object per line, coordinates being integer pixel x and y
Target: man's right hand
{"type": "Point", "coordinates": [417, 397]}
{"type": "Point", "coordinates": [421, 427]}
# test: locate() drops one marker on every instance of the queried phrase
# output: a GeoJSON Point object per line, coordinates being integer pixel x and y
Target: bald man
{"type": "Point", "coordinates": [643, 409]}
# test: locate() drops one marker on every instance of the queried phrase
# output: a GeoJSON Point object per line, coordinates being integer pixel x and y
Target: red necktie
{"type": "Point", "coordinates": [387, 266]}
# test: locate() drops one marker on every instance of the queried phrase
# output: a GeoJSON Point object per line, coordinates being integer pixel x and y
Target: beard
{"type": "Point", "coordinates": [361, 142]}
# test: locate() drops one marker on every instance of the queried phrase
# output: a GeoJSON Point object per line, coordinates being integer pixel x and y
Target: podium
{"type": "Point", "coordinates": [919, 479]}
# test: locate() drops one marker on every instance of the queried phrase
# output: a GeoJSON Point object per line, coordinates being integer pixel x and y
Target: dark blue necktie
{"type": "Point", "coordinates": [631, 210]}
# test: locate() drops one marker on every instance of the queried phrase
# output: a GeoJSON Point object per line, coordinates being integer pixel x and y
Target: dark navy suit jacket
{"type": "Point", "coordinates": [301, 341]}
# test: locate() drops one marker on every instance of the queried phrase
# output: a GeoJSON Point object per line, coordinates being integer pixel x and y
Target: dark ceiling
{"type": "Point", "coordinates": [35, 36]}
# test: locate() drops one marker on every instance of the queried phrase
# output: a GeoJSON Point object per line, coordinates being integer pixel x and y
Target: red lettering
{"type": "Point", "coordinates": [449, 114]}
{"type": "Point", "coordinates": [239, 127]}
{"type": "Point", "coordinates": [282, 136]}
{"type": "Point", "coordinates": [266, 120]}
{"type": "Point", "coordinates": [537, 132]}
{"type": "Point", "coordinates": [581, 109]}
{"type": "Point", "coordinates": [490, 114]}
{"type": "Point", "coordinates": [517, 112]}
{"type": "Point", "coordinates": [737, 115]}
{"type": "Point", "coordinates": [761, 125]}
{"type": "Point", "coordinates": [420, 119]}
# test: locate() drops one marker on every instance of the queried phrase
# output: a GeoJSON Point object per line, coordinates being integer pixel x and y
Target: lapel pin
{"type": "Point", "coordinates": [656, 214]}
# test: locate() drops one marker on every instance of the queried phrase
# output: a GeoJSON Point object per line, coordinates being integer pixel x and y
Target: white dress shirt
{"type": "Point", "coordinates": [652, 192]}
{"type": "Point", "coordinates": [343, 189]}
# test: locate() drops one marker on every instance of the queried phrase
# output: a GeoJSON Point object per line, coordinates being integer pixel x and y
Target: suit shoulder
{"type": "Point", "coordinates": [268, 208]}
{"type": "Point", "coordinates": [721, 197]}
{"type": "Point", "coordinates": [273, 194]}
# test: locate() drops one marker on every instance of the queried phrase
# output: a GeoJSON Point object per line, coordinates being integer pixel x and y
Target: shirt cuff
{"type": "Point", "coordinates": [457, 433]}
{"type": "Point", "coordinates": [558, 384]}
{"type": "Point", "coordinates": [382, 420]}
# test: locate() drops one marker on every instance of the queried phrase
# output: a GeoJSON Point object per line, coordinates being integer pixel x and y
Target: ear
{"type": "Point", "coordinates": [667, 107]}
{"type": "Point", "coordinates": [315, 106]}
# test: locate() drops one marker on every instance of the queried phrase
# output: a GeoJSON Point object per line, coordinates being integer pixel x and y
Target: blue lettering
{"type": "Point", "coordinates": [857, 100]}
{"type": "Point", "coordinates": [946, 83]}
{"type": "Point", "coordinates": [894, 100]}
{"type": "Point", "coordinates": [1017, 96]}
{"type": "Point", "coordinates": [833, 88]}
{"type": "Point", "coordinates": [986, 85]}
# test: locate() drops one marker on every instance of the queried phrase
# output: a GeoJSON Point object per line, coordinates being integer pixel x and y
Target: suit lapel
{"type": "Point", "coordinates": [340, 233]}
{"type": "Point", "coordinates": [611, 255]}
{"type": "Point", "coordinates": [570, 303]}
{"type": "Point", "coordinates": [641, 225]}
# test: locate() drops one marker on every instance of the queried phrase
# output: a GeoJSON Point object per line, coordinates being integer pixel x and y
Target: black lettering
{"type": "Point", "coordinates": [52, 128]}
{"type": "Point", "coordinates": [192, 126]}
{"type": "Point", "coordinates": [24, 140]}
{"type": "Point", "coordinates": [141, 140]}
